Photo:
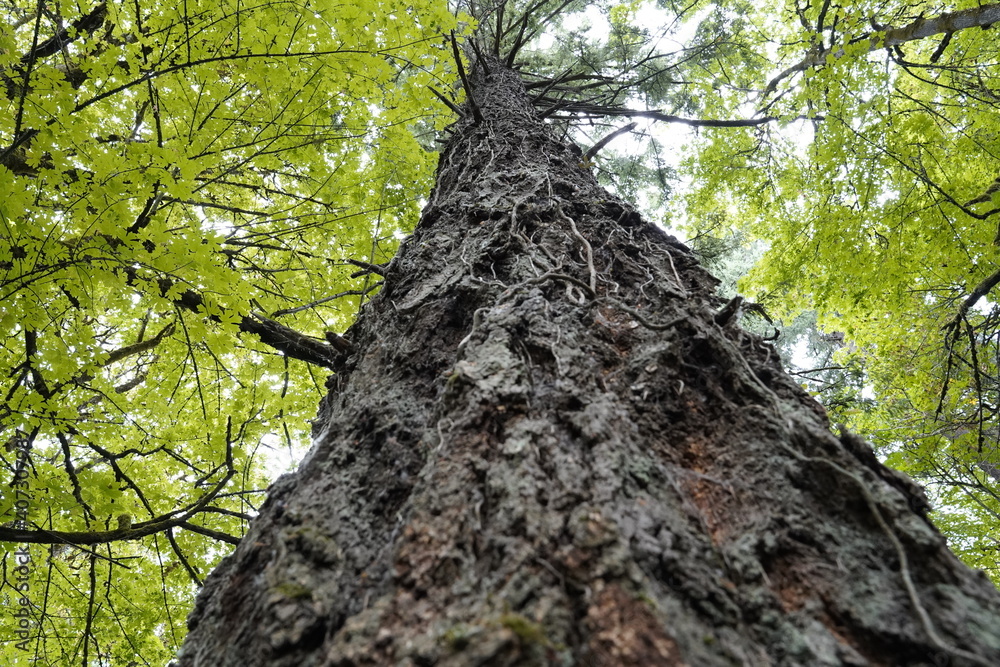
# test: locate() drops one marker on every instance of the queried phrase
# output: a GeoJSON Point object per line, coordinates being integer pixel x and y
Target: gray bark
{"type": "Point", "coordinates": [549, 447]}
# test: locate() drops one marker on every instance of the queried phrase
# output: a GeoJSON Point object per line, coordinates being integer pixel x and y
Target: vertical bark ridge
{"type": "Point", "coordinates": [547, 450]}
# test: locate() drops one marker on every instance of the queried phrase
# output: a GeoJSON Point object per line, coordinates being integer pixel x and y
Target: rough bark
{"type": "Point", "coordinates": [549, 447]}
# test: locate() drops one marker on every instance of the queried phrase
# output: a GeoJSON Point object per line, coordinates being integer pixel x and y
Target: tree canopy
{"type": "Point", "coordinates": [880, 213]}
{"type": "Point", "coordinates": [191, 196]}
{"type": "Point", "coordinates": [174, 176]}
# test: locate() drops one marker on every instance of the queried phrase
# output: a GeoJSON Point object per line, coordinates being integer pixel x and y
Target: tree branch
{"type": "Point", "coordinates": [448, 103]}
{"type": "Point", "coordinates": [596, 148]}
{"type": "Point", "coordinates": [20, 137]}
{"type": "Point", "coordinates": [977, 17]}
{"type": "Point", "coordinates": [368, 267]}
{"type": "Point", "coordinates": [599, 110]}
{"type": "Point", "coordinates": [274, 334]}
{"type": "Point", "coordinates": [214, 534]}
{"type": "Point", "coordinates": [476, 113]}
{"type": "Point", "coordinates": [981, 290]}
{"type": "Point", "coordinates": [291, 342]}
{"type": "Point", "coordinates": [86, 24]}
{"type": "Point", "coordinates": [338, 295]}
{"type": "Point", "coordinates": [42, 536]}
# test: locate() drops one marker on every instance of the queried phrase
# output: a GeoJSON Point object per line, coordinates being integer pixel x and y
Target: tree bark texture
{"type": "Point", "coordinates": [549, 447]}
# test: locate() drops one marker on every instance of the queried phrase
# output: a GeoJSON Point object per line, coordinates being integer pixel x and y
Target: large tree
{"type": "Point", "coordinates": [176, 180]}
{"type": "Point", "coordinates": [547, 445]}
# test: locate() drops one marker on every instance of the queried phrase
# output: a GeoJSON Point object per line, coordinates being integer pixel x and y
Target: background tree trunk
{"type": "Point", "coordinates": [549, 447]}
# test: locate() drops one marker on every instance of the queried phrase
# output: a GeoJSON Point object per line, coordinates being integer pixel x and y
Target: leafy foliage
{"type": "Point", "coordinates": [173, 175]}
{"type": "Point", "coordinates": [877, 213]}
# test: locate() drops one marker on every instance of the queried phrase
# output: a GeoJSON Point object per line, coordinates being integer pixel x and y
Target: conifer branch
{"type": "Point", "coordinates": [548, 85]}
{"type": "Point", "coordinates": [601, 110]}
{"type": "Point", "coordinates": [518, 41]}
{"type": "Point", "coordinates": [498, 32]}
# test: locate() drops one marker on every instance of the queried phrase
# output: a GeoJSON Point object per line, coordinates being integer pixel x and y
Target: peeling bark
{"type": "Point", "coordinates": [546, 448]}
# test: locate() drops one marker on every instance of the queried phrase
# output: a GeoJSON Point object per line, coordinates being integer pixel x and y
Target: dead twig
{"type": "Point", "coordinates": [476, 113]}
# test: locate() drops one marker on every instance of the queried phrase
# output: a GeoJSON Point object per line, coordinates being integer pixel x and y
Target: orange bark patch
{"type": "Point", "coordinates": [794, 581]}
{"type": "Point", "coordinates": [624, 632]}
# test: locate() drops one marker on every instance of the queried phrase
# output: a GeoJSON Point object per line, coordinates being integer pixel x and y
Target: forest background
{"type": "Point", "coordinates": [193, 196]}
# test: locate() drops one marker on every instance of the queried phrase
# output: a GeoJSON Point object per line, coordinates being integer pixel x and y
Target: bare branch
{"type": "Point", "coordinates": [338, 295]}
{"type": "Point", "coordinates": [476, 113]}
{"type": "Point", "coordinates": [451, 105]}
{"type": "Point", "coordinates": [368, 267]}
{"type": "Point", "coordinates": [596, 148]}
{"type": "Point", "coordinates": [214, 534]}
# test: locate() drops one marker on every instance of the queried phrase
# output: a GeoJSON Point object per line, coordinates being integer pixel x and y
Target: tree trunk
{"type": "Point", "coordinates": [547, 447]}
